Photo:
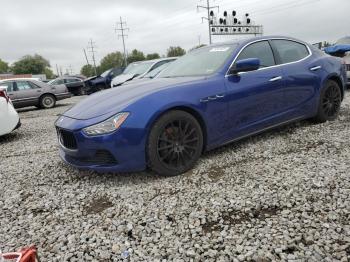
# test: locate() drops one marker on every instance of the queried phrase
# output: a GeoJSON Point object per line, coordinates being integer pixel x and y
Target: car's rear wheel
{"type": "Point", "coordinates": [47, 101]}
{"type": "Point", "coordinates": [175, 143]}
{"type": "Point", "coordinates": [330, 101]}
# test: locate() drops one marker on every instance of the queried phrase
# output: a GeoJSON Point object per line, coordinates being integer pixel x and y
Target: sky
{"type": "Point", "coordinates": [59, 30]}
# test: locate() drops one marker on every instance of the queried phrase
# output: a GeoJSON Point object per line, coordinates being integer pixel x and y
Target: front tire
{"type": "Point", "coordinates": [47, 101]}
{"type": "Point", "coordinates": [175, 143]}
{"type": "Point", "coordinates": [329, 104]}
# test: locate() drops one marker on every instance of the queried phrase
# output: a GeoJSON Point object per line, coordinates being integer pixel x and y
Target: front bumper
{"type": "Point", "coordinates": [120, 151]}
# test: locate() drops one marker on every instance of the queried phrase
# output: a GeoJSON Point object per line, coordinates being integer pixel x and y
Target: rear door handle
{"type": "Point", "coordinates": [277, 78]}
{"type": "Point", "coordinates": [315, 68]}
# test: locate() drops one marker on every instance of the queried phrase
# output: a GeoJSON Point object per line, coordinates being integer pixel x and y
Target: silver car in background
{"type": "Point", "coordinates": [29, 92]}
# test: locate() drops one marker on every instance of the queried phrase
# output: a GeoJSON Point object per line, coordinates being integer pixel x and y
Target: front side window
{"type": "Point", "coordinates": [9, 86]}
{"type": "Point", "coordinates": [23, 85]}
{"type": "Point", "coordinates": [290, 51]}
{"type": "Point", "coordinates": [261, 50]}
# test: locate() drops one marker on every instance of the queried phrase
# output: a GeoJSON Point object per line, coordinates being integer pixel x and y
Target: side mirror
{"type": "Point", "coordinates": [245, 65]}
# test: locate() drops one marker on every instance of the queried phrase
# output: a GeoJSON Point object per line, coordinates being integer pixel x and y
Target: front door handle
{"type": "Point", "coordinates": [315, 68]}
{"type": "Point", "coordinates": [274, 79]}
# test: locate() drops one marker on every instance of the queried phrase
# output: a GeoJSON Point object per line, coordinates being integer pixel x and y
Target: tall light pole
{"type": "Point", "coordinates": [208, 8]}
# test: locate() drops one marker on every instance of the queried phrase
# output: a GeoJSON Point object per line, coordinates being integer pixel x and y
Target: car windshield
{"type": "Point", "coordinates": [200, 62]}
{"type": "Point", "coordinates": [156, 71]}
{"type": "Point", "coordinates": [137, 68]}
{"type": "Point", "coordinates": [104, 74]}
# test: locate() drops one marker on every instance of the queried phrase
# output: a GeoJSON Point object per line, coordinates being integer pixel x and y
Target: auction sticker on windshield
{"type": "Point", "coordinates": [220, 49]}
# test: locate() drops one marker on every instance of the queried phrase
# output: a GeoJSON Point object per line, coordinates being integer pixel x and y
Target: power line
{"type": "Point", "coordinates": [208, 8]}
{"type": "Point", "coordinates": [92, 50]}
{"type": "Point", "coordinates": [121, 28]}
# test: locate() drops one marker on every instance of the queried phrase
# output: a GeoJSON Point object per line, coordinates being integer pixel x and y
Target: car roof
{"type": "Point", "coordinates": [19, 79]}
{"type": "Point", "coordinates": [251, 39]}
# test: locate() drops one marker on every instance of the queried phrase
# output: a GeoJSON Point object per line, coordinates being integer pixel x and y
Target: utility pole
{"type": "Point", "coordinates": [92, 50]}
{"type": "Point", "coordinates": [208, 8]}
{"type": "Point", "coordinates": [121, 28]}
{"type": "Point", "coordinates": [70, 70]}
{"type": "Point", "coordinates": [58, 73]}
{"type": "Point", "coordinates": [87, 60]}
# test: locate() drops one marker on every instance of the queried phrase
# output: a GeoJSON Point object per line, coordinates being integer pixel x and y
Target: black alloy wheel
{"type": "Point", "coordinates": [330, 102]}
{"type": "Point", "coordinates": [175, 143]}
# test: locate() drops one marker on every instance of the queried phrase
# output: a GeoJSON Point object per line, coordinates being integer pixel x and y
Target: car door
{"type": "Point", "coordinates": [10, 91]}
{"type": "Point", "coordinates": [300, 75]}
{"type": "Point", "coordinates": [255, 98]}
{"type": "Point", "coordinates": [26, 94]}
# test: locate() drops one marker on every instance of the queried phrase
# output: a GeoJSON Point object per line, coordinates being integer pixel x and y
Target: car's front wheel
{"type": "Point", "coordinates": [330, 101]}
{"type": "Point", "coordinates": [175, 143]}
{"type": "Point", "coordinates": [47, 101]}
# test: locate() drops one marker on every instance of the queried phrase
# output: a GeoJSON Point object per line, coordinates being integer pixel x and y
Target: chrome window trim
{"type": "Point", "coordinates": [264, 68]}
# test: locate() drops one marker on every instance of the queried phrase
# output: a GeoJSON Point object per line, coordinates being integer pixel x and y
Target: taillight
{"type": "Point", "coordinates": [4, 95]}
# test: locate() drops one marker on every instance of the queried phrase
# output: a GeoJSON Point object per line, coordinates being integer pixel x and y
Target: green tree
{"type": "Point", "coordinates": [49, 74]}
{"type": "Point", "coordinates": [136, 56]}
{"type": "Point", "coordinates": [111, 60]}
{"type": "Point", "coordinates": [87, 70]}
{"type": "Point", "coordinates": [152, 56]}
{"type": "Point", "coordinates": [4, 67]}
{"type": "Point", "coordinates": [31, 65]}
{"type": "Point", "coordinates": [175, 51]}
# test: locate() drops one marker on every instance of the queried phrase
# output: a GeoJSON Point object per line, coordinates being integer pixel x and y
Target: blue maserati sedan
{"type": "Point", "coordinates": [210, 97]}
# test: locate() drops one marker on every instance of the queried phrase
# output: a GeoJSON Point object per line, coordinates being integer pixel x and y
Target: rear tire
{"type": "Point", "coordinates": [47, 101]}
{"type": "Point", "coordinates": [175, 143]}
{"type": "Point", "coordinates": [329, 103]}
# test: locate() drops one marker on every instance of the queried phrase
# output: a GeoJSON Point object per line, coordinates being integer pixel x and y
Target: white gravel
{"type": "Point", "coordinates": [282, 195]}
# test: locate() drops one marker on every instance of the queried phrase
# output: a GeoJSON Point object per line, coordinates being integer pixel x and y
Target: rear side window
{"type": "Point", "coordinates": [261, 50]}
{"type": "Point", "coordinates": [290, 51]}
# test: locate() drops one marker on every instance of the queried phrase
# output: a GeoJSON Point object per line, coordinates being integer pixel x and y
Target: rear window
{"type": "Point", "coordinates": [290, 51]}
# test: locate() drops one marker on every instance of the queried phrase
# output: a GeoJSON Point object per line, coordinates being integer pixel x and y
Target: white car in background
{"type": "Point", "coordinates": [346, 58]}
{"type": "Point", "coordinates": [9, 119]}
{"type": "Point", "coordinates": [137, 70]}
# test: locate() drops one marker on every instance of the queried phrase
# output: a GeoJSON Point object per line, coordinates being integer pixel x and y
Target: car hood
{"type": "Point", "coordinates": [115, 100]}
{"type": "Point", "coordinates": [118, 80]}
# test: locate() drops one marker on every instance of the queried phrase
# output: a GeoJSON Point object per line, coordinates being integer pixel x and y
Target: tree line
{"type": "Point", "coordinates": [28, 64]}
{"type": "Point", "coordinates": [36, 64]}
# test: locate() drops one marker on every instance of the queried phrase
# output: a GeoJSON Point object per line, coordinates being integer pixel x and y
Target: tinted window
{"type": "Point", "coordinates": [23, 85]}
{"type": "Point", "coordinates": [290, 51]}
{"type": "Point", "coordinates": [72, 80]}
{"type": "Point", "coordinates": [261, 50]}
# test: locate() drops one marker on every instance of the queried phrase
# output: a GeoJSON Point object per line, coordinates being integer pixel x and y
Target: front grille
{"type": "Point", "coordinates": [348, 67]}
{"type": "Point", "coordinates": [67, 139]}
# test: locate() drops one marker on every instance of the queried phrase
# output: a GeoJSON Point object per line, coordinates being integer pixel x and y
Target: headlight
{"type": "Point", "coordinates": [107, 126]}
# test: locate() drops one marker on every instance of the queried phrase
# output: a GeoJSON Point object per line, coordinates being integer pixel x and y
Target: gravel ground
{"type": "Point", "coordinates": [282, 195]}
